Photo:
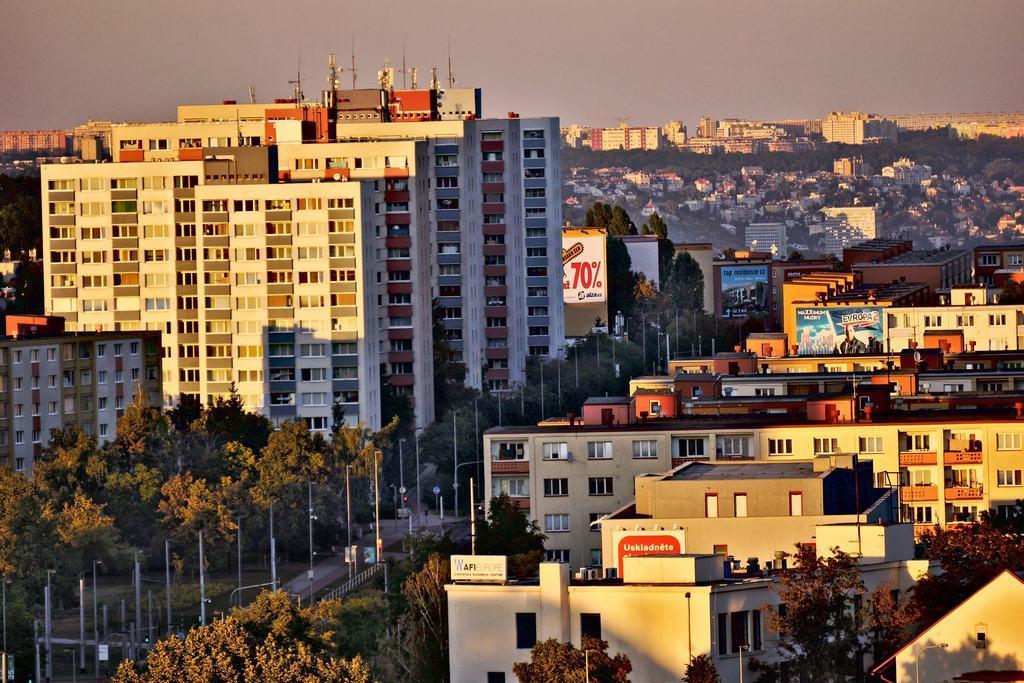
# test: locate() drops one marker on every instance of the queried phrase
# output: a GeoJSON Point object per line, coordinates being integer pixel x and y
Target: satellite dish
{"type": "Point", "coordinates": [337, 176]}
{"type": "Point", "coordinates": [917, 356]}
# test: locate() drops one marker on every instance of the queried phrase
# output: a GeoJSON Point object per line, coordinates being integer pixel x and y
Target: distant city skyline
{"type": "Point", "coordinates": [120, 60]}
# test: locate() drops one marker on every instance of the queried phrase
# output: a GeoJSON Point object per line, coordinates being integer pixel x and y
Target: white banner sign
{"type": "Point", "coordinates": [480, 568]}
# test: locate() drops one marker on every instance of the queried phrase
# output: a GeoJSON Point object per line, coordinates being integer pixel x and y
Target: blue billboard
{"type": "Point", "coordinates": [744, 290]}
{"type": "Point", "coordinates": [829, 331]}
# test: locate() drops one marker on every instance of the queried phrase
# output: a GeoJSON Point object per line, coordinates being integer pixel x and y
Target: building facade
{"type": "Point", "coordinates": [83, 380]}
{"type": "Point", "coordinates": [856, 128]}
{"type": "Point", "coordinates": [43, 141]}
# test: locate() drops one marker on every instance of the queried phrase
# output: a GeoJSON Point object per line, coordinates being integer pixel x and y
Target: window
{"type": "Point", "coordinates": [508, 450]}
{"type": "Point", "coordinates": [590, 625]}
{"type": "Point", "coordinates": [516, 487]}
{"type": "Point", "coordinates": [994, 319]}
{"type": "Point", "coordinates": [1008, 477]}
{"type": "Point", "coordinates": [731, 446]}
{"type": "Point", "coordinates": [556, 555]}
{"type": "Point", "coordinates": [871, 444]}
{"type": "Point", "coordinates": [599, 450]}
{"type": "Point", "coordinates": [558, 450]}
{"type": "Point", "coordinates": [780, 446]}
{"type": "Point", "coordinates": [711, 505]}
{"type": "Point", "coordinates": [556, 487]}
{"type": "Point", "coordinates": [526, 630]}
{"type": "Point", "coordinates": [557, 522]}
{"type": "Point", "coordinates": [826, 446]}
{"type": "Point", "coordinates": [600, 486]}
{"type": "Point", "coordinates": [917, 442]}
{"type": "Point", "coordinates": [1008, 441]}
{"type": "Point", "coordinates": [645, 449]}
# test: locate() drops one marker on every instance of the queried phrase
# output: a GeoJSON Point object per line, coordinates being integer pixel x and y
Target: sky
{"type": "Point", "coordinates": [590, 62]}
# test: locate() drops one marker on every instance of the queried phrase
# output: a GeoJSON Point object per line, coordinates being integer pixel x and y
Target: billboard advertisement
{"type": "Point", "coordinates": [659, 542]}
{"type": "Point", "coordinates": [583, 265]}
{"type": "Point", "coordinates": [490, 568]}
{"type": "Point", "coordinates": [744, 290]}
{"type": "Point", "coordinates": [823, 331]}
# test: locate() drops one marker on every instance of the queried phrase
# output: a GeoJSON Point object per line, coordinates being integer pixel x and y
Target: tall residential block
{"type": "Point", "coordinates": [856, 128]}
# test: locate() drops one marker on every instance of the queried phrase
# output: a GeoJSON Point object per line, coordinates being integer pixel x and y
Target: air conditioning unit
{"type": "Point", "coordinates": [569, 456]}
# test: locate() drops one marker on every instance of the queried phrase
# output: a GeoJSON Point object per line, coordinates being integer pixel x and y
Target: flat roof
{"type": "Point", "coordinates": [756, 469]}
{"type": "Point", "coordinates": [919, 258]}
{"type": "Point", "coordinates": [606, 400]}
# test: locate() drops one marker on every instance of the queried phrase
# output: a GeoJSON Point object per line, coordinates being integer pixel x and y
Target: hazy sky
{"type": "Point", "coordinates": [591, 61]}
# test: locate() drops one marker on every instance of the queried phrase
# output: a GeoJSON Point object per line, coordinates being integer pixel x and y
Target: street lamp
{"type": "Point", "coordinates": [376, 503]}
{"type": "Point", "coordinates": [311, 518]}
{"type": "Point", "coordinates": [95, 618]}
{"type": "Point", "coordinates": [917, 660]}
{"type": "Point", "coordinates": [742, 648]}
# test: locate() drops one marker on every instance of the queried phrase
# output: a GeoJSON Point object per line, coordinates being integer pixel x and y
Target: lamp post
{"type": "Point", "coordinates": [348, 518]}
{"type": "Point", "coordinates": [917, 660]}
{"type": "Point", "coordinates": [311, 518]}
{"type": "Point", "coordinates": [455, 454]}
{"type": "Point", "coordinates": [239, 532]}
{"type": "Point", "coordinates": [48, 624]}
{"type": "Point", "coordinates": [742, 648]}
{"type": "Point", "coordinates": [95, 617]}
{"type": "Point", "coordinates": [376, 503]}
{"type": "Point", "coordinates": [273, 550]}
{"type": "Point", "coordinates": [202, 584]}
{"type": "Point", "coordinates": [586, 666]}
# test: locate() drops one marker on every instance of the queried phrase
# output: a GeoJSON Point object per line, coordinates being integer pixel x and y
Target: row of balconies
{"type": "Point", "coordinates": [910, 458]}
{"type": "Point", "coordinates": [930, 492]}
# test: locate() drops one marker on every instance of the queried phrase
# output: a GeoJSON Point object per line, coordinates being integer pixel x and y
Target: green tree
{"type": "Point", "coordinates": [189, 506]}
{"type": "Point", "coordinates": [508, 531]}
{"type": "Point", "coordinates": [621, 223]}
{"type": "Point", "coordinates": [685, 282]}
{"type": "Point", "coordinates": [226, 419]}
{"type": "Point", "coordinates": [420, 653]}
{"type": "Point", "coordinates": [818, 631]}
{"type": "Point", "coordinates": [655, 225]}
{"type": "Point", "coordinates": [143, 436]}
{"type": "Point", "coordinates": [620, 281]}
{"type": "Point", "coordinates": [598, 216]}
{"type": "Point", "coordinates": [701, 669]}
{"type": "Point", "coordinates": [449, 374]}
{"type": "Point", "coordinates": [551, 660]}
{"type": "Point", "coordinates": [71, 462]}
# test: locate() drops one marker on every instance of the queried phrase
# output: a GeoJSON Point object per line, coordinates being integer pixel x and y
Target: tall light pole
{"type": "Point", "coordinates": [95, 614]}
{"type": "Point", "coordinates": [167, 582]}
{"type": "Point", "coordinates": [455, 453]}
{"type": "Point", "coordinates": [742, 648]}
{"type": "Point", "coordinates": [273, 550]}
{"type": "Point", "coordinates": [401, 473]}
{"type": "Point", "coordinates": [917, 660]}
{"type": "Point", "coordinates": [81, 620]}
{"type": "Point", "coordinates": [239, 532]}
{"type": "Point", "coordinates": [48, 623]}
{"type": "Point", "coordinates": [419, 491]}
{"type": "Point", "coordinates": [202, 584]}
{"type": "Point", "coordinates": [311, 518]}
{"type": "Point", "coordinates": [376, 503]}
{"type": "Point", "coordinates": [348, 519]}
{"type": "Point", "coordinates": [138, 602]}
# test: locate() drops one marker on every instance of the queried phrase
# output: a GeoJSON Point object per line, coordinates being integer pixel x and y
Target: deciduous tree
{"type": "Point", "coordinates": [551, 660]}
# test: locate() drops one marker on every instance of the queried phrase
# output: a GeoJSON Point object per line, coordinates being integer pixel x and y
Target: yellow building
{"type": "Point", "coordinates": [979, 641]}
{"type": "Point", "coordinates": [947, 466]}
{"type": "Point", "coordinates": [660, 613]}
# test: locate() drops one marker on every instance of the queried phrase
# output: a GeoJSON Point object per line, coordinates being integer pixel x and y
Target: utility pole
{"type": "Point", "coordinates": [455, 453]}
{"type": "Point", "coordinates": [348, 519]}
{"type": "Point", "coordinates": [167, 580]}
{"type": "Point", "coordinates": [273, 550]}
{"type": "Point", "coordinates": [202, 584]}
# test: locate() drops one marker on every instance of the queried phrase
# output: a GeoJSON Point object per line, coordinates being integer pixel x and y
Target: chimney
{"type": "Point", "coordinates": [868, 409]}
{"type": "Point", "coordinates": [1019, 406]}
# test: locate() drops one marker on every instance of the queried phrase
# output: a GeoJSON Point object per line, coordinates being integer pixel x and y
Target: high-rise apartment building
{"type": "Point", "coordinates": [328, 238]}
{"type": "Point", "coordinates": [848, 167]}
{"type": "Point", "coordinates": [856, 128]}
{"type": "Point", "coordinates": [623, 137]}
{"type": "Point", "coordinates": [47, 141]}
{"type": "Point", "coordinates": [770, 237]}
{"type": "Point", "coordinates": [253, 284]}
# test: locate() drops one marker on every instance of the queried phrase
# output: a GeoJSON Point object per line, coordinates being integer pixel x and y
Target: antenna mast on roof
{"type": "Point", "coordinates": [252, 93]}
{"type": "Point", "coordinates": [352, 70]}
{"type": "Point", "coordinates": [298, 83]}
{"type": "Point", "coordinates": [333, 82]}
{"type": "Point", "coordinates": [405, 72]}
{"type": "Point", "coordinates": [451, 76]}
{"type": "Point", "coordinates": [433, 78]}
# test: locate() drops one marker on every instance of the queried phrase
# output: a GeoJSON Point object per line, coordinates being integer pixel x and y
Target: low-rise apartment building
{"type": "Point", "coordinates": [50, 380]}
{"type": "Point", "coordinates": [948, 465]}
{"type": "Point", "coordinates": [660, 612]}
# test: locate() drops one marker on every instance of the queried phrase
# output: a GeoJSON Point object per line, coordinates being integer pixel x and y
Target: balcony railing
{"type": "Point", "coordinates": [962, 457]}
{"type": "Point", "coordinates": [964, 492]}
{"type": "Point", "coordinates": [917, 458]}
{"type": "Point", "coordinates": [510, 466]}
{"type": "Point", "coordinates": [922, 492]}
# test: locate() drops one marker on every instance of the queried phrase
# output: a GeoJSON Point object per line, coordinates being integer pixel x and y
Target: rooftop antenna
{"type": "Point", "coordinates": [352, 69]}
{"type": "Point", "coordinates": [434, 85]}
{"type": "Point", "coordinates": [333, 82]}
{"type": "Point", "coordinates": [252, 93]}
{"type": "Point", "coordinates": [405, 73]}
{"type": "Point", "coordinates": [298, 82]}
{"type": "Point", "coordinates": [386, 76]}
{"type": "Point", "coordinates": [412, 72]}
{"type": "Point", "coordinates": [451, 76]}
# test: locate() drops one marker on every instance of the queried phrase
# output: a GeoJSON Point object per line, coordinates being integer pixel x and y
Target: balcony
{"type": "Point", "coordinates": [917, 458]}
{"type": "Point", "coordinates": [961, 457]}
{"type": "Point", "coordinates": [510, 467]}
{"type": "Point", "coordinates": [521, 503]}
{"type": "Point", "coordinates": [964, 492]}
{"type": "Point", "coordinates": [396, 195]}
{"type": "Point", "coordinates": [396, 172]}
{"type": "Point", "coordinates": [919, 493]}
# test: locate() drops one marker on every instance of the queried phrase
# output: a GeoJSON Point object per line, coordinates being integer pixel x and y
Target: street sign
{"type": "Point", "coordinates": [436, 490]}
{"type": "Point", "coordinates": [104, 652]}
{"type": "Point", "coordinates": [369, 554]}
{"type": "Point", "coordinates": [479, 568]}
{"type": "Point", "coordinates": [9, 669]}
{"type": "Point", "coordinates": [401, 489]}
